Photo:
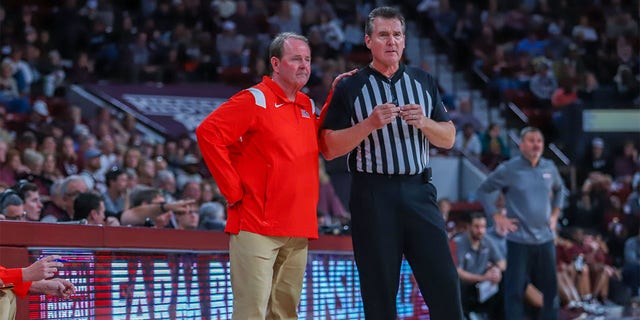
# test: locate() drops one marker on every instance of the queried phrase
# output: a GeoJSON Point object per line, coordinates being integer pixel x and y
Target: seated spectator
{"type": "Point", "coordinates": [115, 198]}
{"type": "Point", "coordinates": [34, 161]}
{"type": "Point", "coordinates": [595, 159]}
{"type": "Point", "coordinates": [53, 204]}
{"type": "Point", "coordinates": [332, 34]}
{"type": "Point", "coordinates": [12, 206]}
{"type": "Point", "coordinates": [479, 261]}
{"type": "Point", "coordinates": [531, 45]}
{"type": "Point", "coordinates": [189, 171]}
{"type": "Point", "coordinates": [187, 218]}
{"type": "Point", "coordinates": [132, 178]}
{"type": "Point", "coordinates": [50, 171]}
{"type": "Point", "coordinates": [67, 157]}
{"type": "Point", "coordinates": [146, 172]}
{"type": "Point", "coordinates": [165, 180]}
{"type": "Point", "coordinates": [131, 159]}
{"type": "Point", "coordinates": [494, 148]}
{"type": "Point", "coordinates": [82, 70]}
{"type": "Point", "coordinates": [631, 267]}
{"type": "Point", "coordinates": [594, 202]}
{"type": "Point", "coordinates": [585, 34]}
{"type": "Point", "coordinates": [625, 164]}
{"type": "Point", "coordinates": [212, 217]}
{"type": "Point", "coordinates": [30, 195]}
{"type": "Point", "coordinates": [597, 258]}
{"type": "Point", "coordinates": [465, 115]}
{"type": "Point", "coordinates": [55, 75]}
{"type": "Point", "coordinates": [12, 168]}
{"type": "Point", "coordinates": [191, 190]}
{"type": "Point", "coordinates": [543, 83]}
{"type": "Point", "coordinates": [467, 142]}
{"type": "Point", "coordinates": [9, 94]}
{"type": "Point", "coordinates": [90, 206]}
{"type": "Point", "coordinates": [444, 205]}
{"type": "Point", "coordinates": [141, 68]}
{"type": "Point", "coordinates": [631, 210]}
{"type": "Point", "coordinates": [232, 48]}
{"type": "Point", "coordinates": [70, 188]}
{"type": "Point", "coordinates": [211, 193]}
{"type": "Point", "coordinates": [35, 279]}
{"type": "Point", "coordinates": [572, 272]}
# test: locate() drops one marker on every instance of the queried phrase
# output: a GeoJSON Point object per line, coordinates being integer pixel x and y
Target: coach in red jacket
{"type": "Point", "coordinates": [261, 148]}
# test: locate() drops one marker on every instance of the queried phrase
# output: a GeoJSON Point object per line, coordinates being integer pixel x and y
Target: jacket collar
{"type": "Point", "coordinates": [277, 90]}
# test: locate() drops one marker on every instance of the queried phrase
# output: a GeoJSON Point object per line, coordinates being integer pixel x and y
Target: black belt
{"type": "Point", "coordinates": [424, 175]}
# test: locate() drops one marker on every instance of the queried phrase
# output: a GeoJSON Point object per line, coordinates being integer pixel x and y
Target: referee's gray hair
{"type": "Point", "coordinates": [384, 13]}
{"type": "Point", "coordinates": [276, 48]}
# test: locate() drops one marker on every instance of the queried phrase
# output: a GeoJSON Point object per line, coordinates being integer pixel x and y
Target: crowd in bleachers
{"type": "Point", "coordinates": [552, 58]}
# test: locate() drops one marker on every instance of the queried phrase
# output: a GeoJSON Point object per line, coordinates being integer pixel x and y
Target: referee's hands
{"type": "Point", "coordinates": [413, 115]}
{"type": "Point", "coordinates": [383, 114]}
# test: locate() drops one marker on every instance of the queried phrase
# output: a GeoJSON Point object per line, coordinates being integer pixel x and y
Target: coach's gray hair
{"type": "Point", "coordinates": [526, 130]}
{"type": "Point", "coordinates": [276, 48]}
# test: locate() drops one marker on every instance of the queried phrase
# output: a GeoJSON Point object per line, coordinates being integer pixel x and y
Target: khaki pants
{"type": "Point", "coordinates": [266, 275]}
{"type": "Point", "coordinates": [7, 305]}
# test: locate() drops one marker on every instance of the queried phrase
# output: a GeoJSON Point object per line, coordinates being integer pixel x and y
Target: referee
{"type": "Point", "coordinates": [384, 116]}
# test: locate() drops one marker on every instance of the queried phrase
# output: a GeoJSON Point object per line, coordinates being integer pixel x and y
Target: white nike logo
{"type": "Point", "coordinates": [278, 105]}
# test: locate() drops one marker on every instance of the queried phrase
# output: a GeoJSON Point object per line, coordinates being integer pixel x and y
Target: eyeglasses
{"type": "Point", "coordinates": [18, 217]}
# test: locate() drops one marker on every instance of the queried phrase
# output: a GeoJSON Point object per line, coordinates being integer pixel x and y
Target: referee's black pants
{"type": "Point", "coordinates": [396, 215]}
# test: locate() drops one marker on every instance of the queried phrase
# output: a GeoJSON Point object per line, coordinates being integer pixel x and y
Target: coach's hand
{"type": "Point", "coordinates": [509, 224]}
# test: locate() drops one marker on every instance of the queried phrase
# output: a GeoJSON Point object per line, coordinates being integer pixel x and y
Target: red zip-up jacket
{"type": "Point", "coordinates": [262, 150]}
{"type": "Point", "coordinates": [14, 276]}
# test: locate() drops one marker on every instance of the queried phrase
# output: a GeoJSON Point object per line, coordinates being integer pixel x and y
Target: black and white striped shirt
{"type": "Point", "coordinates": [397, 148]}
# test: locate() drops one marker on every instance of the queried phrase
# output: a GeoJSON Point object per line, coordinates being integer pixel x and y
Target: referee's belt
{"type": "Point", "coordinates": [425, 175]}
